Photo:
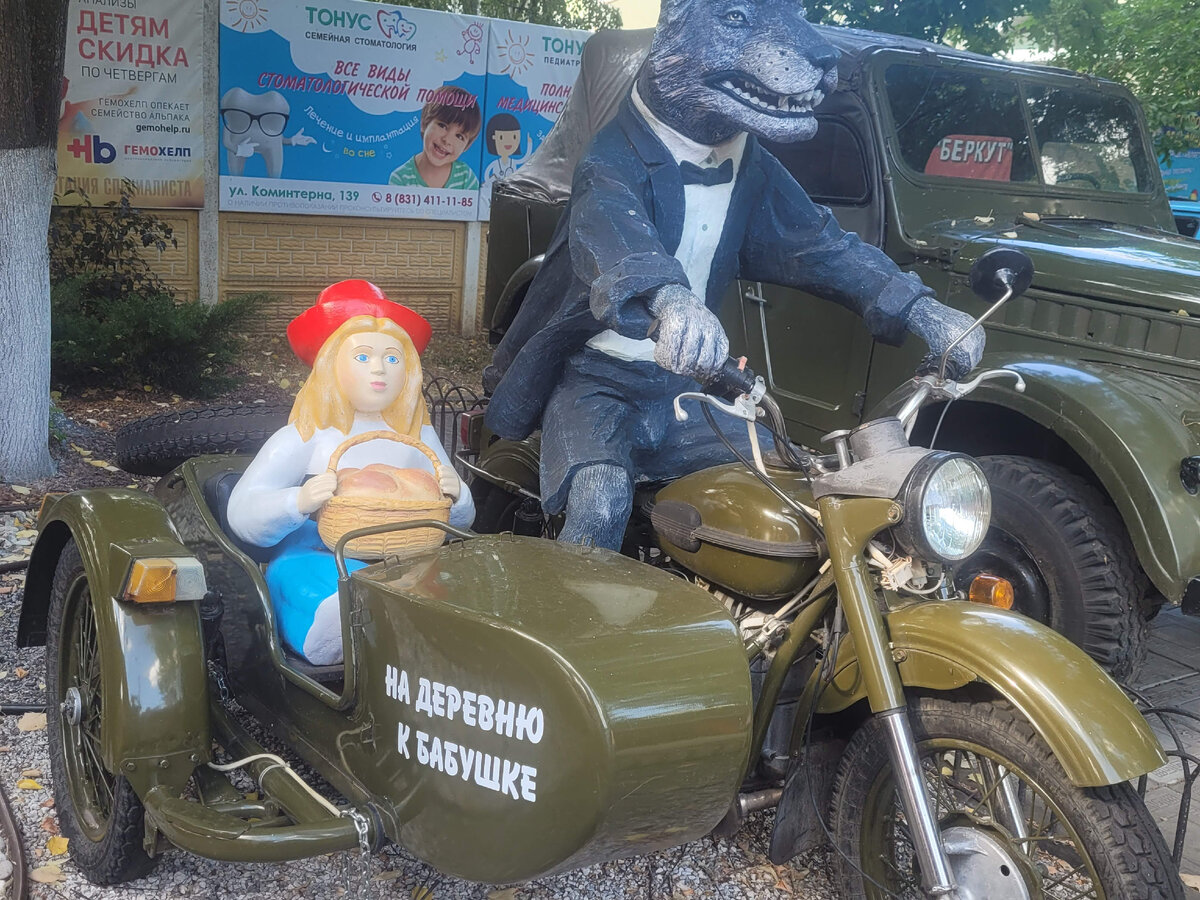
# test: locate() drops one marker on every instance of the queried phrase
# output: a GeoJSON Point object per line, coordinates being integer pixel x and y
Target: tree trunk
{"type": "Point", "coordinates": [31, 68]}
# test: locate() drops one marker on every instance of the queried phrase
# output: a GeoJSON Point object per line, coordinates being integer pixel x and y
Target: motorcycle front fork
{"type": "Point", "coordinates": [885, 691]}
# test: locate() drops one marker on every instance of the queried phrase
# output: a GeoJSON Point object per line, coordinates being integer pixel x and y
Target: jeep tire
{"type": "Point", "coordinates": [157, 444]}
{"type": "Point", "coordinates": [1069, 558]}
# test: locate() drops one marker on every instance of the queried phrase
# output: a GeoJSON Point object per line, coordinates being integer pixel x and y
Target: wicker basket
{"type": "Point", "coordinates": [342, 514]}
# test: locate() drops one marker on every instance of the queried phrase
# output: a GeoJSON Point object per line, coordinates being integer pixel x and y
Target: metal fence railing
{"type": "Point", "coordinates": [447, 401]}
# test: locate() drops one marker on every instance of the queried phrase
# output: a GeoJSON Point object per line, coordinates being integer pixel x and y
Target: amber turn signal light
{"type": "Point", "coordinates": [992, 591]}
{"type": "Point", "coordinates": [151, 581]}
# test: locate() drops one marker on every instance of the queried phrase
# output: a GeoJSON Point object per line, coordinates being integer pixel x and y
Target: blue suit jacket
{"type": "Point", "coordinates": [615, 245]}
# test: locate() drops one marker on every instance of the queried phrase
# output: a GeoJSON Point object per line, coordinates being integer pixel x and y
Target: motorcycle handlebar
{"type": "Point", "coordinates": [732, 380]}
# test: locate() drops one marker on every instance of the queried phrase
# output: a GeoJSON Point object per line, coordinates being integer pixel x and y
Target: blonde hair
{"type": "Point", "coordinates": [320, 403]}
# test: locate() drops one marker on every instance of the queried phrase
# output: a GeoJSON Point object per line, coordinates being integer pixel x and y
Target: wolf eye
{"type": "Point", "coordinates": [735, 17]}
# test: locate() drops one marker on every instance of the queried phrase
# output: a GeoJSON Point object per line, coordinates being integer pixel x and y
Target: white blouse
{"type": "Point", "coordinates": [263, 508]}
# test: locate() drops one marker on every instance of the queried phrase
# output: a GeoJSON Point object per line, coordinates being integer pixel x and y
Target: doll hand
{"type": "Point", "coordinates": [939, 326]}
{"type": "Point", "coordinates": [690, 339]}
{"type": "Point", "coordinates": [449, 482]}
{"type": "Point", "coordinates": [315, 491]}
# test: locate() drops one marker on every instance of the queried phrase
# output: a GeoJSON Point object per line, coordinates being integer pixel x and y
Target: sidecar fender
{"type": "Point", "coordinates": [155, 687]}
{"type": "Point", "coordinates": [1095, 731]}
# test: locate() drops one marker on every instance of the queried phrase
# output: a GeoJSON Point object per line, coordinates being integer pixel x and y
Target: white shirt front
{"type": "Point", "coordinates": [704, 211]}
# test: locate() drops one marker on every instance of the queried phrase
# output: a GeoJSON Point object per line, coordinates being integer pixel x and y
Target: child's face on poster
{"type": "Point", "coordinates": [444, 143]}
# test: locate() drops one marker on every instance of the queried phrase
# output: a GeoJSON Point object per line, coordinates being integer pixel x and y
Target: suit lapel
{"type": "Point", "coordinates": [666, 203]}
{"type": "Point", "coordinates": [746, 191]}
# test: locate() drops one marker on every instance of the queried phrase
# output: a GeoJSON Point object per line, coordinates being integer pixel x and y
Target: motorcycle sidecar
{"type": "Point", "coordinates": [508, 706]}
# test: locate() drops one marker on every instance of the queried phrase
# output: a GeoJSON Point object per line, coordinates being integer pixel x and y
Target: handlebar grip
{"type": "Point", "coordinates": [731, 381]}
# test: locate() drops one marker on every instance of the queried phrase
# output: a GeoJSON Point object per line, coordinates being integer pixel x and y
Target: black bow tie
{"type": "Point", "coordinates": [707, 175]}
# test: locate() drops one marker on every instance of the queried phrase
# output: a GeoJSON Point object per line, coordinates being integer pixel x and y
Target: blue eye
{"type": "Point", "coordinates": [392, 359]}
{"type": "Point", "coordinates": [362, 357]}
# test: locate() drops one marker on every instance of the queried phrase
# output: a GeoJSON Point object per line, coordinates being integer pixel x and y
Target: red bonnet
{"type": "Point", "coordinates": [345, 300]}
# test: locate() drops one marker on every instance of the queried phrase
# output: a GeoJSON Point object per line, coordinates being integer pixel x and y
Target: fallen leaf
{"type": "Point", "coordinates": [984, 220]}
{"type": "Point", "coordinates": [111, 469]}
{"type": "Point", "coordinates": [48, 803]}
{"type": "Point", "coordinates": [57, 845]}
{"type": "Point", "coordinates": [5, 749]}
{"type": "Point", "coordinates": [505, 894]}
{"type": "Point", "coordinates": [388, 875]}
{"type": "Point", "coordinates": [32, 721]}
{"type": "Point", "coordinates": [31, 773]}
{"type": "Point", "coordinates": [1192, 881]}
{"type": "Point", "coordinates": [28, 784]}
{"type": "Point", "coordinates": [1032, 217]}
{"type": "Point", "coordinates": [26, 533]}
{"type": "Point", "coordinates": [99, 463]}
{"type": "Point", "coordinates": [50, 825]}
{"type": "Point", "coordinates": [19, 489]}
{"type": "Point", "coordinates": [284, 383]}
{"type": "Point", "coordinates": [21, 671]}
{"type": "Point", "coordinates": [147, 388]}
{"type": "Point", "coordinates": [80, 450]}
{"type": "Point", "coordinates": [47, 874]}
{"type": "Point", "coordinates": [422, 892]}
{"type": "Point", "coordinates": [1009, 234]}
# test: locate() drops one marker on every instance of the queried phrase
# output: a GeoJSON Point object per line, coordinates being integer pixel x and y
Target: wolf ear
{"type": "Point", "coordinates": [672, 10]}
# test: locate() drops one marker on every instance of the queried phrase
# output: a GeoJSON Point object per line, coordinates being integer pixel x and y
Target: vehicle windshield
{"type": "Point", "coordinates": [963, 123]}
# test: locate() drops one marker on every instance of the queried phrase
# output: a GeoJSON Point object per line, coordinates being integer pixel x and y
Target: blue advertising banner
{"type": "Point", "coordinates": [1182, 177]}
{"type": "Point", "coordinates": [530, 71]}
{"type": "Point", "coordinates": [351, 108]}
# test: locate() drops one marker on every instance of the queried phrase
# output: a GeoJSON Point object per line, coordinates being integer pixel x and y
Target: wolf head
{"type": "Point", "coordinates": [720, 67]}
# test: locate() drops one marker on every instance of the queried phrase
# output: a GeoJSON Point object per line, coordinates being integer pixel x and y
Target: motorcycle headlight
{"type": "Point", "coordinates": [947, 507]}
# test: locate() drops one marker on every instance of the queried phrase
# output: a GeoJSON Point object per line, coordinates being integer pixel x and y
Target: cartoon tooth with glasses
{"type": "Point", "coordinates": [254, 123]}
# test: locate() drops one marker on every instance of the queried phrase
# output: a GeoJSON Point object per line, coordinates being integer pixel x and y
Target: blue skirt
{"type": "Point", "coordinates": [299, 577]}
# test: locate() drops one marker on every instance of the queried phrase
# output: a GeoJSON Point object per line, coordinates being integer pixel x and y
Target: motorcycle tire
{"type": "Point", "coordinates": [1101, 840]}
{"type": "Point", "coordinates": [157, 444]}
{"type": "Point", "coordinates": [98, 811]}
{"type": "Point", "coordinates": [1069, 558]}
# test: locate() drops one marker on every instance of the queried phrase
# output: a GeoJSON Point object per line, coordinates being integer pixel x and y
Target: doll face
{"type": "Point", "coordinates": [507, 142]}
{"type": "Point", "coordinates": [370, 371]}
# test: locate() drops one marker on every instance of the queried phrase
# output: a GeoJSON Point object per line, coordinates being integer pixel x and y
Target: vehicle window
{"type": "Point", "coordinates": [832, 167]}
{"type": "Point", "coordinates": [1088, 140]}
{"type": "Point", "coordinates": [959, 124]}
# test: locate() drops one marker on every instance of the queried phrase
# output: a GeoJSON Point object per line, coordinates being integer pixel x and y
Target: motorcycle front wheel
{"type": "Point", "coordinates": [1012, 822]}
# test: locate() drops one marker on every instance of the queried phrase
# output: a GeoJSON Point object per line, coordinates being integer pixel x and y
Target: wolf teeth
{"type": "Point", "coordinates": [751, 94]}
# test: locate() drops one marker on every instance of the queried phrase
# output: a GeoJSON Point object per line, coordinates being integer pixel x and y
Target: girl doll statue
{"type": "Point", "coordinates": [366, 376]}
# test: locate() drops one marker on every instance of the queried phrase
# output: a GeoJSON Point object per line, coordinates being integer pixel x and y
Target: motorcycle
{"type": "Point", "coordinates": [510, 706]}
{"type": "Point", "coordinates": [913, 723]}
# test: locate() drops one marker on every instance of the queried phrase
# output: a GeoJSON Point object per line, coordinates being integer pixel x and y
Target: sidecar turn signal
{"type": "Point", "coordinates": [992, 591]}
{"type": "Point", "coordinates": [162, 580]}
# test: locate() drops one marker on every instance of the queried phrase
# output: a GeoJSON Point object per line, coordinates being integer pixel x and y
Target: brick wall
{"type": "Point", "coordinates": [416, 262]}
{"type": "Point", "coordinates": [178, 266]}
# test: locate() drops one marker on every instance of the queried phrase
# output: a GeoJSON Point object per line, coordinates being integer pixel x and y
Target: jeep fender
{"type": "Point", "coordinates": [1094, 730]}
{"type": "Point", "coordinates": [1128, 427]}
{"type": "Point", "coordinates": [502, 314]}
{"type": "Point", "coordinates": [155, 686]}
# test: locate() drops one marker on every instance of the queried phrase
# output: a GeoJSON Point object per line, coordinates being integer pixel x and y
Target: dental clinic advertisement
{"type": "Point", "coordinates": [530, 72]}
{"type": "Point", "coordinates": [351, 108]}
{"type": "Point", "coordinates": [131, 117]}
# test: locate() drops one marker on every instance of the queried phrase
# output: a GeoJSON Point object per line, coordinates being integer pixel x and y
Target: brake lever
{"type": "Point", "coordinates": [956, 390]}
{"type": "Point", "coordinates": [931, 387]}
{"type": "Point", "coordinates": [744, 407]}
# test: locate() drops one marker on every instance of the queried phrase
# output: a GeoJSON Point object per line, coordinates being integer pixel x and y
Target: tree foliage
{"type": "Point", "coordinates": [984, 26]}
{"type": "Point", "coordinates": [590, 14]}
{"type": "Point", "coordinates": [1148, 45]}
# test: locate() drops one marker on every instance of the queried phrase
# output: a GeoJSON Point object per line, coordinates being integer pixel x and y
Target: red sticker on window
{"type": "Point", "coordinates": [972, 156]}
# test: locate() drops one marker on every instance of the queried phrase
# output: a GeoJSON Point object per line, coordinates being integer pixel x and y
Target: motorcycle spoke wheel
{"type": "Point", "coordinates": [1013, 824]}
{"type": "Point", "coordinates": [98, 810]}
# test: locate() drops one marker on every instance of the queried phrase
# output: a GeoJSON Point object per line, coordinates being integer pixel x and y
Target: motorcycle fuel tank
{"type": "Point", "coordinates": [730, 529]}
{"type": "Point", "coordinates": [541, 706]}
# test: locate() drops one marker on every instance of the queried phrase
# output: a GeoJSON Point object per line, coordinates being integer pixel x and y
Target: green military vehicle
{"type": "Point", "coordinates": [937, 155]}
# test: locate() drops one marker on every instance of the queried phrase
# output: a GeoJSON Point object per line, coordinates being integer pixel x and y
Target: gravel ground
{"type": "Point", "coordinates": [729, 869]}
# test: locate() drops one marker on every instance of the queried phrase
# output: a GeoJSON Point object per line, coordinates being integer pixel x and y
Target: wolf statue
{"type": "Point", "coordinates": [673, 200]}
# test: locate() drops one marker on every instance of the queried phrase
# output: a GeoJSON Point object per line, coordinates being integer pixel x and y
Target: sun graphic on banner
{"type": "Point", "coordinates": [249, 15]}
{"type": "Point", "coordinates": [515, 55]}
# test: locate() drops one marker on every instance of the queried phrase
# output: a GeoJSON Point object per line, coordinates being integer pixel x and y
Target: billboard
{"type": "Point", "coordinates": [131, 117]}
{"type": "Point", "coordinates": [351, 108]}
{"type": "Point", "coordinates": [530, 72]}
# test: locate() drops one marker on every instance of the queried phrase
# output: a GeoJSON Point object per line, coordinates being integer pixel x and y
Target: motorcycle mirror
{"type": "Point", "coordinates": [999, 270]}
